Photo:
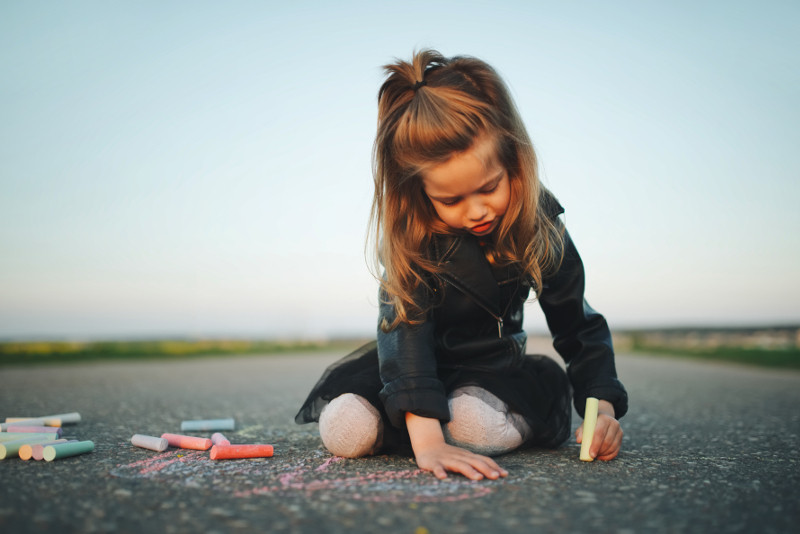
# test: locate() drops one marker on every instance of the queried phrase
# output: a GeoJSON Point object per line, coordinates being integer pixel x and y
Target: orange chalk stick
{"type": "Point", "coordinates": [225, 452]}
{"type": "Point", "coordinates": [187, 442]}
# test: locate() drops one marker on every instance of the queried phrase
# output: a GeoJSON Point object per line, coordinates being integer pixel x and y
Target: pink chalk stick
{"type": "Point", "coordinates": [187, 442]}
{"type": "Point", "coordinates": [219, 439]}
{"type": "Point", "coordinates": [37, 451]}
{"type": "Point", "coordinates": [38, 429]}
{"type": "Point", "coordinates": [222, 452]}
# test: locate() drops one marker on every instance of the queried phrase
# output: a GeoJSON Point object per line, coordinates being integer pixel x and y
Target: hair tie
{"type": "Point", "coordinates": [419, 84]}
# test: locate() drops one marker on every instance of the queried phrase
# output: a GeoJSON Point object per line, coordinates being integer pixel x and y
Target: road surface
{"type": "Point", "coordinates": [708, 448]}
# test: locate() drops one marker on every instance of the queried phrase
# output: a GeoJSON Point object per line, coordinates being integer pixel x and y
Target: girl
{"type": "Point", "coordinates": [464, 231]}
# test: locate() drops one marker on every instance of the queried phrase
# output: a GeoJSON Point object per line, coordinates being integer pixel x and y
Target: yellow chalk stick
{"type": "Point", "coordinates": [589, 422]}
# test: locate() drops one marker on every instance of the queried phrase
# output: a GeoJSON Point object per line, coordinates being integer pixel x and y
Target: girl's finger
{"type": "Point", "coordinates": [488, 469]}
{"type": "Point", "coordinates": [466, 470]}
{"type": "Point", "coordinates": [472, 467]}
{"type": "Point", "coordinates": [439, 472]}
{"type": "Point", "coordinates": [611, 444]}
{"type": "Point", "coordinates": [491, 464]}
{"type": "Point", "coordinates": [598, 441]}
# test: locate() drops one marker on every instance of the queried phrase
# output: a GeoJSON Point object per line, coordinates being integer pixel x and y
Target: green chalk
{"type": "Point", "coordinates": [64, 450]}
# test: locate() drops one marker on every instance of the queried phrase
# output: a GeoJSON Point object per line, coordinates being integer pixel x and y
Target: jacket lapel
{"type": "Point", "coordinates": [465, 267]}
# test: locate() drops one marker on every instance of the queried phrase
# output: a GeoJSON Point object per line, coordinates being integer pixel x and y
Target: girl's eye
{"type": "Point", "coordinates": [450, 202]}
{"type": "Point", "coordinates": [490, 189]}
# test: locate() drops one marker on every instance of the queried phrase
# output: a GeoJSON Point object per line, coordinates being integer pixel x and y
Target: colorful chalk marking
{"type": "Point", "coordinates": [206, 425]}
{"type": "Point", "coordinates": [10, 449]}
{"type": "Point", "coordinates": [187, 442]}
{"type": "Point", "coordinates": [225, 452]}
{"type": "Point", "coordinates": [65, 450]}
{"type": "Point", "coordinates": [589, 423]}
{"type": "Point", "coordinates": [219, 439]}
{"type": "Point", "coordinates": [52, 430]}
{"type": "Point", "coordinates": [150, 442]}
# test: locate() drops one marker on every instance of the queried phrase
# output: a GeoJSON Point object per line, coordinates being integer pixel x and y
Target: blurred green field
{"type": "Point", "coordinates": [785, 358]}
{"type": "Point", "coordinates": [39, 352]}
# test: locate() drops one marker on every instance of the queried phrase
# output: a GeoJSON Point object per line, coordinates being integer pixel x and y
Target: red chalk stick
{"type": "Point", "coordinates": [223, 452]}
{"type": "Point", "coordinates": [187, 442]}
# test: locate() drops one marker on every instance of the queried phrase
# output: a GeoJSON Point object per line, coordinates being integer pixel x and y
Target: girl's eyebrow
{"type": "Point", "coordinates": [496, 179]}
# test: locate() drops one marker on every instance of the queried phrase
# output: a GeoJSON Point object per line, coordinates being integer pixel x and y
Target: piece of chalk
{"type": "Point", "coordinates": [26, 451]}
{"type": "Point", "coordinates": [70, 418]}
{"type": "Point", "coordinates": [150, 442]}
{"type": "Point", "coordinates": [205, 425]}
{"type": "Point", "coordinates": [15, 436]}
{"type": "Point", "coordinates": [187, 442]}
{"type": "Point", "coordinates": [589, 422]}
{"type": "Point", "coordinates": [36, 429]}
{"type": "Point", "coordinates": [43, 420]}
{"type": "Point", "coordinates": [37, 451]}
{"type": "Point", "coordinates": [22, 422]}
{"type": "Point", "coordinates": [65, 418]}
{"type": "Point", "coordinates": [9, 449]}
{"type": "Point", "coordinates": [223, 452]}
{"type": "Point", "coordinates": [34, 421]}
{"type": "Point", "coordinates": [219, 439]}
{"type": "Point", "coordinates": [65, 450]}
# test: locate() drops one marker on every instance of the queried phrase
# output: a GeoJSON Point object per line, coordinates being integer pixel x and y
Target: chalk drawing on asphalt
{"type": "Point", "coordinates": [317, 474]}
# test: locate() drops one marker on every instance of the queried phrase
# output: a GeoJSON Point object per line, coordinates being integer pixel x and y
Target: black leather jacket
{"type": "Point", "coordinates": [477, 323]}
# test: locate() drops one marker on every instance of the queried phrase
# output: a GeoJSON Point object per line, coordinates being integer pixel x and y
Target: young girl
{"type": "Point", "coordinates": [465, 231]}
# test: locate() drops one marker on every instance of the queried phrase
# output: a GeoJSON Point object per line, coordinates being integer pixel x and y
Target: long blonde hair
{"type": "Point", "coordinates": [428, 110]}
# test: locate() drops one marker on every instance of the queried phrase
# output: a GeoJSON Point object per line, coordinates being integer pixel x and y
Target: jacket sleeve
{"type": "Point", "coordinates": [581, 335]}
{"type": "Point", "coordinates": [408, 370]}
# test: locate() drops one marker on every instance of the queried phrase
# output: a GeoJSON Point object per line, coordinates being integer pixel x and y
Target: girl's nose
{"type": "Point", "coordinates": [476, 209]}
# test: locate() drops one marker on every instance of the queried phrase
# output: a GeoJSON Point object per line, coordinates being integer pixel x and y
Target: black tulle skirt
{"type": "Point", "coordinates": [537, 388]}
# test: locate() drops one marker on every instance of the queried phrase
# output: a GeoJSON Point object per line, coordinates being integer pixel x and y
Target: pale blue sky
{"type": "Point", "coordinates": [203, 168]}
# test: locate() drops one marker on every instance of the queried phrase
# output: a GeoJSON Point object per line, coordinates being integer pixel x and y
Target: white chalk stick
{"type": "Point", "coordinates": [150, 442]}
{"type": "Point", "coordinates": [203, 425]}
{"type": "Point", "coordinates": [70, 418]}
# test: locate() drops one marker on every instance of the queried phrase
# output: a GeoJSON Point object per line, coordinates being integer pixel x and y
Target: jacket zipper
{"type": "Point", "coordinates": [497, 318]}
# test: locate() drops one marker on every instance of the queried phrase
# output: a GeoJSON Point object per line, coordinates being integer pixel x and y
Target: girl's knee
{"type": "Point", "coordinates": [350, 426]}
{"type": "Point", "coordinates": [482, 423]}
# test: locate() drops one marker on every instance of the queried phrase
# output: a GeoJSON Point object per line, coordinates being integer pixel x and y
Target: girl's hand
{"type": "Point", "coordinates": [607, 439]}
{"type": "Point", "coordinates": [443, 457]}
{"type": "Point", "coordinates": [434, 454]}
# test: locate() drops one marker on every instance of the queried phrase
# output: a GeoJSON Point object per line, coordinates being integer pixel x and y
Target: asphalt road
{"type": "Point", "coordinates": [708, 448]}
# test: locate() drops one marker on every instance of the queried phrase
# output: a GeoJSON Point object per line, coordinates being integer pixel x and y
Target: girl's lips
{"type": "Point", "coordinates": [482, 228]}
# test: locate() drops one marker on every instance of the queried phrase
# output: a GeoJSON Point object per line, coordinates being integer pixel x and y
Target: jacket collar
{"type": "Point", "coordinates": [464, 266]}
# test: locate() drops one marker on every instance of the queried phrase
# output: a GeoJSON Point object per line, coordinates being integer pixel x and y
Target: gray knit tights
{"type": "Point", "coordinates": [480, 422]}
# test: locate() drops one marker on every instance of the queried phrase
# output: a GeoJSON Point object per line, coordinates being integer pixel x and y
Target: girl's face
{"type": "Point", "coordinates": [470, 191]}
